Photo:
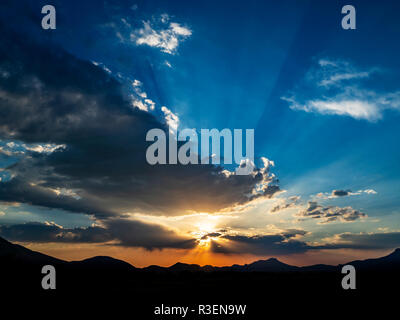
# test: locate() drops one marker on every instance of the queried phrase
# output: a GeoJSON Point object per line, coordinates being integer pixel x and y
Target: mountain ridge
{"type": "Point", "coordinates": [18, 254]}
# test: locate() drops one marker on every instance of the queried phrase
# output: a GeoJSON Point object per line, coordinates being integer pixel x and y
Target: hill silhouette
{"type": "Point", "coordinates": [15, 254]}
{"type": "Point", "coordinates": [105, 282]}
{"type": "Point", "coordinates": [103, 263]}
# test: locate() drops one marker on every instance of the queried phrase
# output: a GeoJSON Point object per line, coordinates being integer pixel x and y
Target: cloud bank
{"type": "Point", "coordinates": [78, 144]}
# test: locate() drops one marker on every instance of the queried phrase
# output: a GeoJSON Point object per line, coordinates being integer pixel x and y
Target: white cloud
{"type": "Point", "coordinates": [334, 72]}
{"type": "Point", "coordinates": [167, 38]}
{"type": "Point", "coordinates": [101, 65]}
{"type": "Point", "coordinates": [179, 30]}
{"type": "Point", "coordinates": [13, 148]}
{"type": "Point", "coordinates": [139, 104]}
{"type": "Point", "coordinates": [164, 18]}
{"type": "Point", "coordinates": [335, 78]}
{"type": "Point", "coordinates": [44, 148]}
{"type": "Point", "coordinates": [337, 89]}
{"type": "Point", "coordinates": [171, 118]}
{"type": "Point", "coordinates": [150, 103]}
{"type": "Point", "coordinates": [66, 192]}
{"type": "Point", "coordinates": [140, 100]}
{"type": "Point", "coordinates": [353, 108]}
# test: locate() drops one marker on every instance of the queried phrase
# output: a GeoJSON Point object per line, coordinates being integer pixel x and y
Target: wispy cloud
{"type": "Point", "coordinates": [335, 72]}
{"type": "Point", "coordinates": [336, 87]}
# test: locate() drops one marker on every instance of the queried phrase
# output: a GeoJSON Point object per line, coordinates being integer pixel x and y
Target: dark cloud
{"type": "Point", "coordinates": [128, 233]}
{"type": "Point", "coordinates": [132, 233]}
{"type": "Point", "coordinates": [367, 241]}
{"type": "Point", "coordinates": [277, 244]}
{"type": "Point", "coordinates": [49, 96]}
{"type": "Point", "coordinates": [286, 243]}
{"type": "Point", "coordinates": [50, 232]}
{"type": "Point", "coordinates": [289, 203]}
{"type": "Point", "coordinates": [330, 213]}
{"type": "Point", "coordinates": [19, 191]}
{"type": "Point", "coordinates": [211, 235]}
{"type": "Point", "coordinates": [340, 193]}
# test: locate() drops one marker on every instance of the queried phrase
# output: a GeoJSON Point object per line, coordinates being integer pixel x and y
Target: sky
{"type": "Point", "coordinates": [76, 103]}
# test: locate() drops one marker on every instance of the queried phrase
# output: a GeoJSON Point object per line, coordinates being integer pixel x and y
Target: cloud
{"type": "Point", "coordinates": [166, 35]}
{"type": "Point", "coordinates": [102, 161]}
{"type": "Point", "coordinates": [287, 203]}
{"type": "Point", "coordinates": [335, 72]}
{"type": "Point", "coordinates": [330, 213]}
{"type": "Point", "coordinates": [133, 233]}
{"type": "Point", "coordinates": [171, 119]}
{"type": "Point", "coordinates": [276, 244]}
{"type": "Point", "coordinates": [140, 99]}
{"type": "Point", "coordinates": [365, 241]}
{"type": "Point", "coordinates": [340, 193]}
{"type": "Point", "coordinates": [51, 232]}
{"type": "Point", "coordinates": [124, 232]}
{"type": "Point", "coordinates": [211, 235]}
{"type": "Point", "coordinates": [290, 242]}
{"type": "Point", "coordinates": [337, 88]}
{"type": "Point", "coordinates": [343, 193]}
{"type": "Point", "coordinates": [358, 109]}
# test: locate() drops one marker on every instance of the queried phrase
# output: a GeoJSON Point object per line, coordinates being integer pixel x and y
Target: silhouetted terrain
{"type": "Point", "coordinates": [265, 286]}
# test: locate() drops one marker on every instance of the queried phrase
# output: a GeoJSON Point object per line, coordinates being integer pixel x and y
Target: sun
{"type": "Point", "coordinates": [204, 233]}
{"type": "Point", "coordinates": [204, 241]}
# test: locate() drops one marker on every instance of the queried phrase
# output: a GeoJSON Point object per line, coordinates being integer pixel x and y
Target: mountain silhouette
{"type": "Point", "coordinates": [103, 262]}
{"type": "Point", "coordinates": [16, 255]}
{"type": "Point", "coordinates": [270, 265]}
{"type": "Point", "coordinates": [13, 254]}
{"type": "Point", "coordinates": [184, 267]}
{"type": "Point", "coordinates": [103, 279]}
{"type": "Point", "coordinates": [391, 261]}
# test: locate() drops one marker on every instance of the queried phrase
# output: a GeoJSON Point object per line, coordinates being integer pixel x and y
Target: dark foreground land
{"type": "Point", "coordinates": [115, 289]}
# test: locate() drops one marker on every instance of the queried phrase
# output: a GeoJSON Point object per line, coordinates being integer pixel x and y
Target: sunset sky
{"type": "Point", "coordinates": [76, 104]}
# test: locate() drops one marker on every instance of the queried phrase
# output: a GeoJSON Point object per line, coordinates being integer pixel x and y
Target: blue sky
{"type": "Point", "coordinates": [324, 102]}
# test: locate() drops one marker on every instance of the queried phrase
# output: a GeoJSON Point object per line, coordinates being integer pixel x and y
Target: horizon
{"type": "Point", "coordinates": [206, 265]}
{"type": "Point", "coordinates": [78, 98]}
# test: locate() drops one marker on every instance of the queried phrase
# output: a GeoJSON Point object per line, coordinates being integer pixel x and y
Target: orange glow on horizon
{"type": "Point", "coordinates": [200, 255]}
